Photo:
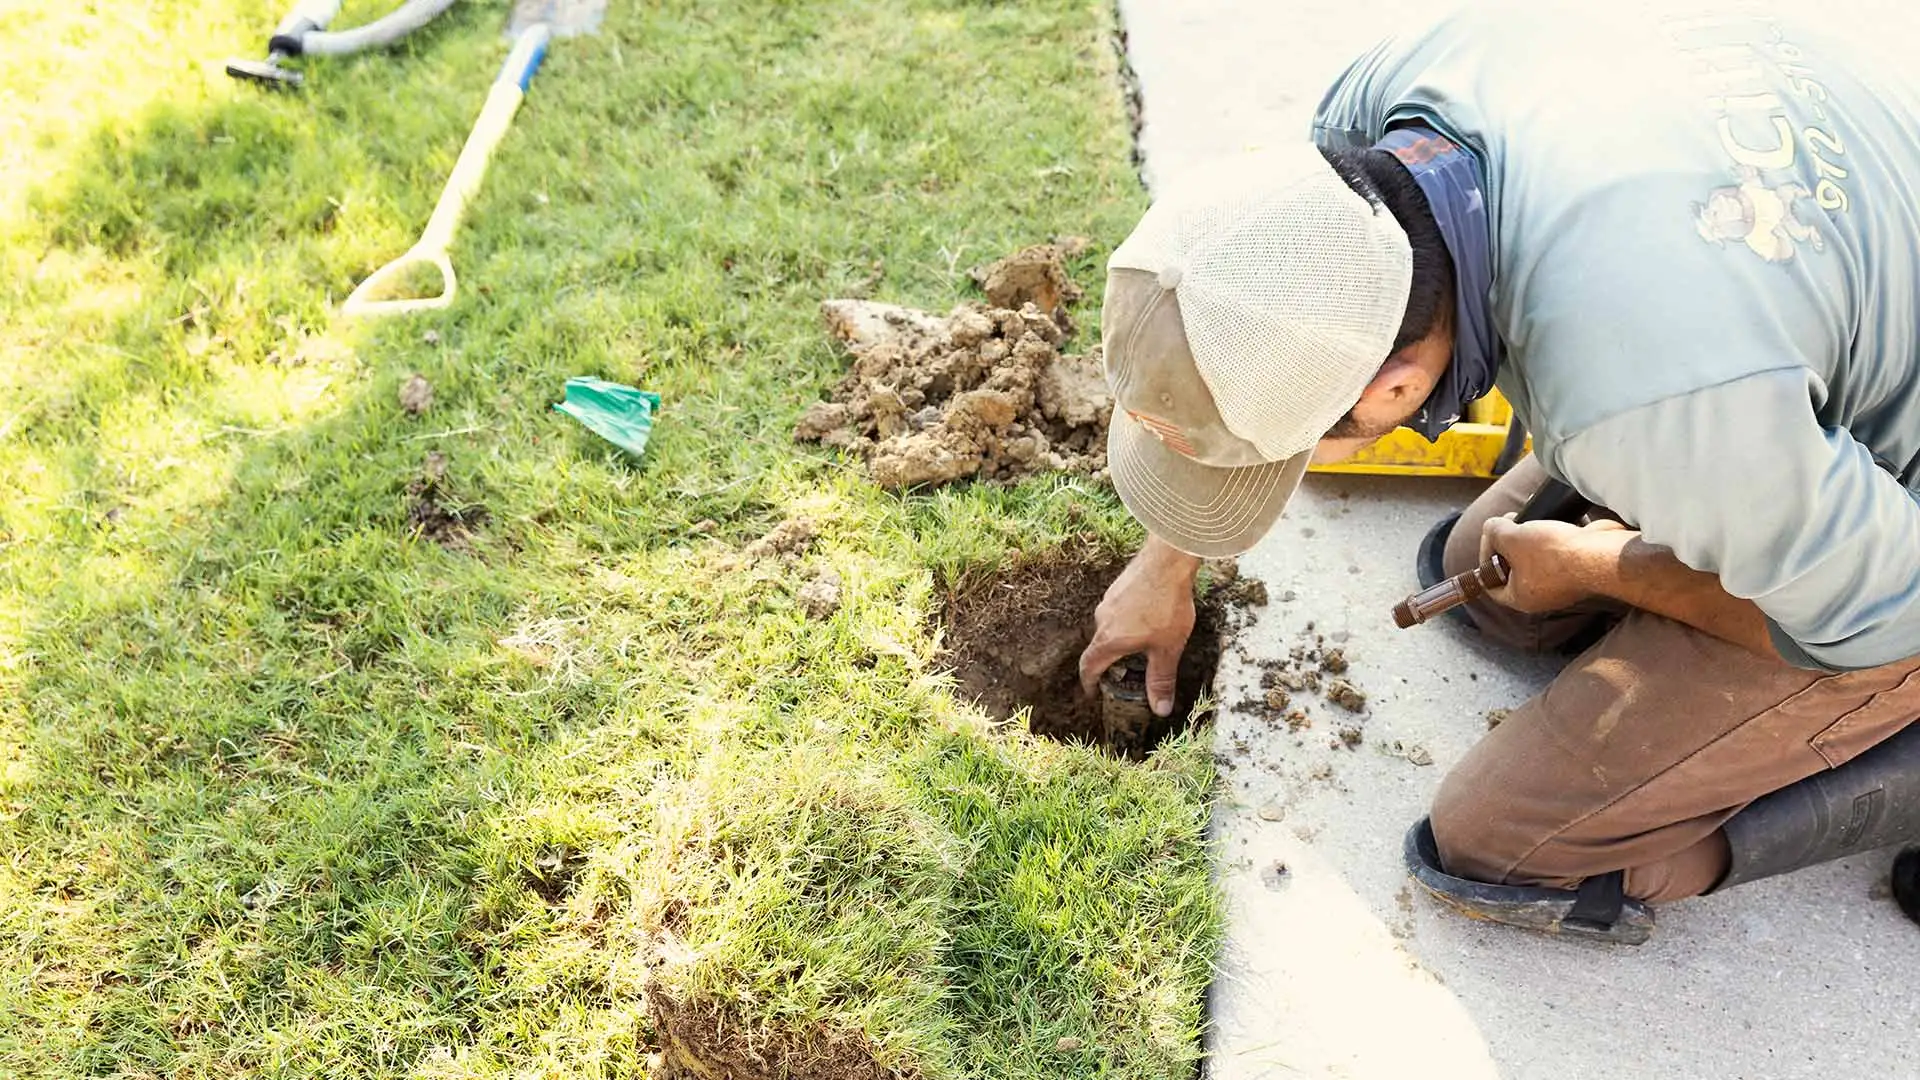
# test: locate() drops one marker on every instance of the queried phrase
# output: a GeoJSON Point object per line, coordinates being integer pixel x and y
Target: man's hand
{"type": "Point", "coordinates": [1148, 609]}
{"type": "Point", "coordinates": [1553, 564]}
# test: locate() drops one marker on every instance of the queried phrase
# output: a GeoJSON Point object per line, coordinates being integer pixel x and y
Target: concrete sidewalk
{"type": "Point", "coordinates": [1336, 966]}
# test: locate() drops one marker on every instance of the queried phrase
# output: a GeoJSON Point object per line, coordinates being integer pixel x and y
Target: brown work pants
{"type": "Point", "coordinates": [1644, 745]}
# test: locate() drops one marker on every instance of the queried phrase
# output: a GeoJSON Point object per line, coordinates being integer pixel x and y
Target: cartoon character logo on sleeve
{"type": "Point", "coordinates": [1766, 219]}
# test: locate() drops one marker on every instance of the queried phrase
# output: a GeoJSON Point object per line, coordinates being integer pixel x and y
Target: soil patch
{"type": "Point", "coordinates": [820, 598]}
{"type": "Point", "coordinates": [982, 393]}
{"type": "Point", "coordinates": [700, 1042]}
{"type": "Point", "coordinates": [786, 541]}
{"type": "Point", "coordinates": [433, 513]}
{"type": "Point", "coordinates": [1014, 638]}
{"type": "Point", "coordinates": [416, 395]}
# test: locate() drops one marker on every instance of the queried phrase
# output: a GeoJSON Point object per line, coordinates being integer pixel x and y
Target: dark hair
{"type": "Point", "coordinates": [1378, 177]}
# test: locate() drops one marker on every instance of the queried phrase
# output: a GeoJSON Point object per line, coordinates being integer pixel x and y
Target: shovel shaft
{"type": "Point", "coordinates": [496, 116]}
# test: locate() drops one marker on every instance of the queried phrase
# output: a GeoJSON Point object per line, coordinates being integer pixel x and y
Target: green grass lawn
{"type": "Point", "coordinates": [289, 789]}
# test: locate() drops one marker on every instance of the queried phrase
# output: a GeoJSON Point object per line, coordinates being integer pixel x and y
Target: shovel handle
{"type": "Point", "coordinates": [496, 116]}
{"type": "Point", "coordinates": [361, 303]}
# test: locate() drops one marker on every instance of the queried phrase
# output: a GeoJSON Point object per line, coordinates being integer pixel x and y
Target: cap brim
{"type": "Point", "coordinates": [1203, 510]}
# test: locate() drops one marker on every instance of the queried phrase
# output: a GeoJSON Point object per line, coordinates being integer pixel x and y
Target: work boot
{"type": "Point", "coordinates": [1906, 882]}
{"type": "Point", "coordinates": [1871, 802]}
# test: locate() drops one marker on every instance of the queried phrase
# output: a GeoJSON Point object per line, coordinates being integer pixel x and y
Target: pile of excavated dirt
{"type": "Point", "coordinates": [1014, 638]}
{"type": "Point", "coordinates": [1034, 275]}
{"type": "Point", "coordinates": [982, 393]}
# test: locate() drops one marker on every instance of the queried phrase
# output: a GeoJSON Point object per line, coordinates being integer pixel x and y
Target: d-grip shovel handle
{"type": "Point", "coordinates": [495, 117]}
{"type": "Point", "coordinates": [358, 302]}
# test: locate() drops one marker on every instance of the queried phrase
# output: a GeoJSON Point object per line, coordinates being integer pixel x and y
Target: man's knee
{"type": "Point", "coordinates": [1463, 817]}
{"type": "Point", "coordinates": [1461, 554]}
{"type": "Point", "coordinates": [1489, 828]}
{"type": "Point", "coordinates": [1480, 842]}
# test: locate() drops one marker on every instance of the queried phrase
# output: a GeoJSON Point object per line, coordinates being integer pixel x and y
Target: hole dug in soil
{"type": "Point", "coordinates": [703, 1043]}
{"type": "Point", "coordinates": [1014, 638]}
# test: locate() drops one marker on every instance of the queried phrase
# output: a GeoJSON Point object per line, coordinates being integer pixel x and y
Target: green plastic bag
{"type": "Point", "coordinates": [619, 414]}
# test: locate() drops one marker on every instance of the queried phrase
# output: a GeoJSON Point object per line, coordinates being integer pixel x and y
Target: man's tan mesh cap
{"type": "Point", "coordinates": [1254, 301]}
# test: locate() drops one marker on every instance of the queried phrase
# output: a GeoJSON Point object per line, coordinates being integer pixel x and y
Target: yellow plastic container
{"type": "Point", "coordinates": [1469, 448]}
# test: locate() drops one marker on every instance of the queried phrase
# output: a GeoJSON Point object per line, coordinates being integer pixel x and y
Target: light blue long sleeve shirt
{"type": "Point", "coordinates": [1706, 246]}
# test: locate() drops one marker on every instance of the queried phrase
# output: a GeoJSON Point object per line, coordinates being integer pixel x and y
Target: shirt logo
{"type": "Point", "coordinates": [1764, 218]}
{"type": "Point", "coordinates": [1778, 123]}
{"type": "Point", "coordinates": [1169, 434]}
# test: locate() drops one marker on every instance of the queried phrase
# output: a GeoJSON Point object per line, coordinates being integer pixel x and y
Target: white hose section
{"type": "Point", "coordinates": [397, 24]}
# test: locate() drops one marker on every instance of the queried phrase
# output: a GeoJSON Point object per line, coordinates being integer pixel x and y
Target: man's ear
{"type": "Point", "coordinates": [1401, 385]}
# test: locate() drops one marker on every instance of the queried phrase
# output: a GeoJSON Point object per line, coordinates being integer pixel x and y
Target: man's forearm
{"type": "Point", "coordinates": [1164, 558]}
{"type": "Point", "coordinates": [1649, 577]}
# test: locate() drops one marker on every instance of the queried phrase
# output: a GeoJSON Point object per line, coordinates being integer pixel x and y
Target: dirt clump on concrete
{"type": "Point", "coordinates": [1235, 588]}
{"type": "Point", "coordinates": [1347, 696]}
{"type": "Point", "coordinates": [981, 393]}
{"type": "Point", "coordinates": [1034, 275]}
{"type": "Point", "coordinates": [1014, 635]}
{"type": "Point", "coordinates": [1413, 753]}
{"type": "Point", "coordinates": [1310, 667]}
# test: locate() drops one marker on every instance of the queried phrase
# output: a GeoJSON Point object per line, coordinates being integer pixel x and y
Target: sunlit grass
{"type": "Point", "coordinates": [287, 788]}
